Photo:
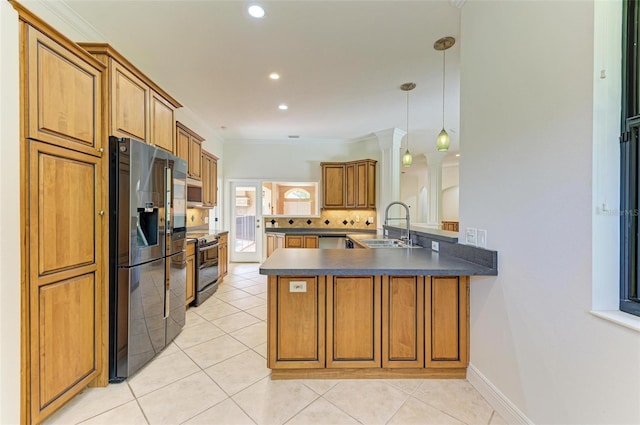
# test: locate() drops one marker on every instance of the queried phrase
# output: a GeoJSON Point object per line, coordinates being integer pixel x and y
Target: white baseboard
{"type": "Point", "coordinates": [500, 403]}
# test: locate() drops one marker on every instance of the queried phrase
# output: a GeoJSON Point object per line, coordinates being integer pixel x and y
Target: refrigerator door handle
{"type": "Point", "coordinates": [168, 180]}
{"type": "Point", "coordinates": [167, 287]}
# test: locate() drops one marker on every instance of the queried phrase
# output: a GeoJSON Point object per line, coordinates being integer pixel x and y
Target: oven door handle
{"type": "Point", "coordinates": [208, 247]}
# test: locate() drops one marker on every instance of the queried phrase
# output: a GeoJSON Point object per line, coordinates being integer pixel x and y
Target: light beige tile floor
{"type": "Point", "coordinates": [215, 373]}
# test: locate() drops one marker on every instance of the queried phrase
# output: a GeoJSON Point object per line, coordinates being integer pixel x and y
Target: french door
{"type": "Point", "coordinates": [245, 242]}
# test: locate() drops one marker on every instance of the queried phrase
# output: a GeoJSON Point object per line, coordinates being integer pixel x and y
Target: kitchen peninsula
{"type": "Point", "coordinates": [368, 313]}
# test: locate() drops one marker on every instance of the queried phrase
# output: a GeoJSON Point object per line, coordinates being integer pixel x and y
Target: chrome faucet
{"type": "Point", "coordinates": [407, 219]}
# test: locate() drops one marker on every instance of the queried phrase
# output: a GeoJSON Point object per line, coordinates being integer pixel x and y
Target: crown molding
{"type": "Point", "coordinates": [69, 16]}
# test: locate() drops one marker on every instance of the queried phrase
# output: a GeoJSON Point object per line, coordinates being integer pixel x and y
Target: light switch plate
{"type": "Point", "coordinates": [471, 236]}
{"type": "Point", "coordinates": [482, 238]}
{"type": "Point", "coordinates": [297, 286]}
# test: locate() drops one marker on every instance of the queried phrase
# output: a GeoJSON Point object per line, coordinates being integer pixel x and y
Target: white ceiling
{"type": "Point", "coordinates": [341, 62]}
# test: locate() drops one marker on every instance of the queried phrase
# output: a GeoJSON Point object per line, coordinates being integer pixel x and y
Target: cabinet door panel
{"type": "Point", "coordinates": [351, 185]}
{"type": "Point", "coordinates": [162, 123]}
{"type": "Point", "coordinates": [291, 241]}
{"type": "Point", "coordinates": [182, 144]}
{"type": "Point", "coordinates": [447, 334]}
{"type": "Point", "coordinates": [296, 343]}
{"type": "Point", "coordinates": [371, 184]}
{"type": "Point", "coordinates": [191, 270]}
{"type": "Point", "coordinates": [403, 322]}
{"type": "Point", "coordinates": [195, 159]}
{"type": "Point", "coordinates": [361, 184]}
{"type": "Point", "coordinates": [66, 231]}
{"type": "Point", "coordinates": [310, 241]}
{"type": "Point", "coordinates": [129, 104]}
{"type": "Point", "coordinates": [64, 96]}
{"type": "Point", "coordinates": [353, 322]}
{"type": "Point", "coordinates": [66, 281]}
{"type": "Point", "coordinates": [333, 186]}
{"type": "Point", "coordinates": [66, 350]}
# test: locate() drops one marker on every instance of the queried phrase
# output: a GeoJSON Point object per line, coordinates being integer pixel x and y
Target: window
{"type": "Point", "coordinates": [629, 165]}
{"type": "Point", "coordinates": [290, 198]}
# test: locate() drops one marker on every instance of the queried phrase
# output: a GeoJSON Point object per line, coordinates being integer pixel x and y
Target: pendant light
{"type": "Point", "coordinates": [442, 142]}
{"type": "Point", "coordinates": [407, 159]}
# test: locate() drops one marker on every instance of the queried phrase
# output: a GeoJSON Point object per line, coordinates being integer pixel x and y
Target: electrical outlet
{"type": "Point", "coordinates": [357, 219]}
{"type": "Point", "coordinates": [435, 246]}
{"type": "Point", "coordinates": [482, 238]}
{"type": "Point", "coordinates": [297, 286]}
{"type": "Point", "coordinates": [206, 219]}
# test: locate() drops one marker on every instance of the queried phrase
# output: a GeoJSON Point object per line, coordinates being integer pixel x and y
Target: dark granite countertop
{"type": "Point", "coordinates": [316, 231]}
{"type": "Point", "coordinates": [380, 261]}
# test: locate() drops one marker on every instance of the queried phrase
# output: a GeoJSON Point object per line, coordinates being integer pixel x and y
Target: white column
{"type": "Point", "coordinates": [434, 167]}
{"type": "Point", "coordinates": [388, 178]}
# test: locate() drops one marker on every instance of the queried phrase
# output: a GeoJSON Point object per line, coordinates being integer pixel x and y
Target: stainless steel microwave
{"type": "Point", "coordinates": [194, 193]}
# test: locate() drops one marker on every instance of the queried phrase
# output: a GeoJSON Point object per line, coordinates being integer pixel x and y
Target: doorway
{"type": "Point", "coordinates": [245, 240]}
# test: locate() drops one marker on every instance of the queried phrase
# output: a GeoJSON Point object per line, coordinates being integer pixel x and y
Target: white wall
{"type": "Point", "coordinates": [527, 111]}
{"type": "Point", "coordinates": [9, 218]}
{"type": "Point", "coordinates": [289, 161]}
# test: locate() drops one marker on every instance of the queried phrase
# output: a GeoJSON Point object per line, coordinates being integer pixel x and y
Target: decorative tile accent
{"type": "Point", "coordinates": [351, 222]}
{"type": "Point", "coordinates": [290, 221]}
{"type": "Point", "coordinates": [309, 221]}
{"type": "Point", "coordinates": [327, 222]}
{"type": "Point", "coordinates": [344, 222]}
{"type": "Point", "coordinates": [273, 221]}
{"type": "Point", "coordinates": [367, 223]}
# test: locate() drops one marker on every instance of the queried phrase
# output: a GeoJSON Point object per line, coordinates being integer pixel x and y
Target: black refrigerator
{"type": "Point", "coordinates": [147, 260]}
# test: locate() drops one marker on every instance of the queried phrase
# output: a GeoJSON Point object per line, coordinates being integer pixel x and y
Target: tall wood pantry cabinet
{"type": "Point", "coordinates": [64, 229]}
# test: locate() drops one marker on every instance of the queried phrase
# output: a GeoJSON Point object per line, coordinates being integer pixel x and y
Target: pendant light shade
{"type": "Point", "coordinates": [443, 141]}
{"type": "Point", "coordinates": [407, 159]}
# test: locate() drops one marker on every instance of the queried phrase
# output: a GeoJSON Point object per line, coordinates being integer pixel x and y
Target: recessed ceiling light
{"type": "Point", "coordinates": [274, 76]}
{"type": "Point", "coordinates": [457, 155]}
{"type": "Point", "coordinates": [283, 107]}
{"type": "Point", "coordinates": [256, 11]}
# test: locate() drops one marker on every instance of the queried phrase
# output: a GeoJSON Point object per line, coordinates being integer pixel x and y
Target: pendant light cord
{"type": "Point", "coordinates": [443, 82]}
{"type": "Point", "coordinates": [407, 120]}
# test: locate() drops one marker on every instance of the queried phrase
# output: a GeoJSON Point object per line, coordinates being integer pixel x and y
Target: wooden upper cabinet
{"type": "Point", "coordinates": [189, 148]}
{"type": "Point", "coordinates": [333, 185]}
{"type": "Point", "coordinates": [182, 144]}
{"type": "Point", "coordinates": [64, 95]}
{"type": "Point", "coordinates": [129, 103]}
{"type": "Point", "coordinates": [349, 185]}
{"type": "Point", "coordinates": [209, 180]}
{"type": "Point", "coordinates": [138, 108]}
{"type": "Point", "coordinates": [163, 123]}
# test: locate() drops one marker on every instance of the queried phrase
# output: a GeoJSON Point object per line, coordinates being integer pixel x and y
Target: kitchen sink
{"type": "Point", "coordinates": [386, 243]}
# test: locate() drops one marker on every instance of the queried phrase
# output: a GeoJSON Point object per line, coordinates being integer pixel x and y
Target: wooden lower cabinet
{"type": "Point", "coordinates": [353, 322]}
{"type": "Point", "coordinates": [298, 343]}
{"type": "Point", "coordinates": [368, 326]}
{"type": "Point", "coordinates": [191, 272]}
{"type": "Point", "coordinates": [66, 275]}
{"type": "Point", "coordinates": [301, 241]}
{"type": "Point", "coordinates": [223, 256]}
{"type": "Point", "coordinates": [447, 321]}
{"type": "Point", "coordinates": [274, 241]}
{"type": "Point", "coordinates": [403, 321]}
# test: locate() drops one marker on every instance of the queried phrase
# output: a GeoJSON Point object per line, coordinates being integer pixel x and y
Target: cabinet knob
{"type": "Point", "coordinates": [101, 212]}
{"type": "Point", "coordinates": [100, 150]}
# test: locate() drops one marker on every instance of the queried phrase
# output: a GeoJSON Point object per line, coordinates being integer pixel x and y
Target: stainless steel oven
{"type": "Point", "coordinates": [207, 266]}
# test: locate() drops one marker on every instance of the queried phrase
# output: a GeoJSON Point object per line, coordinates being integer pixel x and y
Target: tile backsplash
{"type": "Point", "coordinates": [329, 219]}
{"type": "Point", "coordinates": [197, 217]}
